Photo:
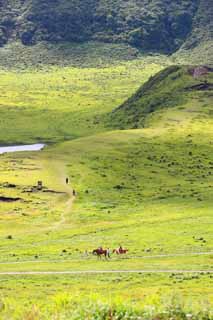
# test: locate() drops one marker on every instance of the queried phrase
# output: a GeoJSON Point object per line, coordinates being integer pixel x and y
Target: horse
{"type": "Point", "coordinates": [101, 252]}
{"type": "Point", "coordinates": [120, 251]}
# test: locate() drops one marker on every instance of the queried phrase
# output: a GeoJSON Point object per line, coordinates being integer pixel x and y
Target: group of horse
{"type": "Point", "coordinates": [107, 253]}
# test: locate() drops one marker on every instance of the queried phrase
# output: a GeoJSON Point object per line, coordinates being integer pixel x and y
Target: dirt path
{"type": "Point", "coordinates": [129, 258]}
{"type": "Point", "coordinates": [91, 272]}
{"type": "Point", "coordinates": [60, 170]}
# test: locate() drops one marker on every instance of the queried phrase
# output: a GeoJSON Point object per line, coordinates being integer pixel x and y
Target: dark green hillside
{"type": "Point", "coordinates": [157, 25]}
{"type": "Point", "coordinates": [203, 17]}
{"type": "Point", "coordinates": [175, 86]}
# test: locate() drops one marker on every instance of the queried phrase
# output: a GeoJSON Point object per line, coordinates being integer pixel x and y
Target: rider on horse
{"type": "Point", "coordinates": [120, 249]}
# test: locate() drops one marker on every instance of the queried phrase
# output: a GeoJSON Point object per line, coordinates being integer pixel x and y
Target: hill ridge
{"type": "Point", "coordinates": [175, 86]}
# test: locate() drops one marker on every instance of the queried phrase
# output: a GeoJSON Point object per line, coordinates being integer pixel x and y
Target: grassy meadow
{"type": "Point", "coordinates": [59, 104]}
{"type": "Point", "coordinates": [148, 189]}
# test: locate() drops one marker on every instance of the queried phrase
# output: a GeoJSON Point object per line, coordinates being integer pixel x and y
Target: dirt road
{"type": "Point", "coordinates": [92, 272]}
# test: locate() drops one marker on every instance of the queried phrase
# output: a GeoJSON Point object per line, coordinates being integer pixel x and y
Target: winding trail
{"type": "Point", "coordinates": [59, 167]}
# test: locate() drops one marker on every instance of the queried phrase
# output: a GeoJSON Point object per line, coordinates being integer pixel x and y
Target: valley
{"type": "Point", "coordinates": [147, 187]}
{"type": "Point", "coordinates": [106, 160]}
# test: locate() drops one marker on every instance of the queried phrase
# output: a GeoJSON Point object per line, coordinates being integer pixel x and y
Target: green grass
{"type": "Point", "coordinates": [201, 54]}
{"type": "Point", "coordinates": [64, 103]}
{"type": "Point", "coordinates": [94, 306]}
{"type": "Point", "coordinates": [148, 189]}
{"type": "Point", "coordinates": [155, 201]}
{"type": "Point", "coordinates": [171, 88]}
{"type": "Point", "coordinates": [111, 294]}
{"type": "Point", "coordinates": [82, 55]}
{"type": "Point", "coordinates": [156, 194]}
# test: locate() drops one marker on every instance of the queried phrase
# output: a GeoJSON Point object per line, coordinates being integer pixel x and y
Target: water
{"type": "Point", "coordinates": [30, 147]}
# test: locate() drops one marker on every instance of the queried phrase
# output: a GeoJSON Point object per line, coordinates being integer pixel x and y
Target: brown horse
{"type": "Point", "coordinates": [120, 251]}
{"type": "Point", "coordinates": [101, 252]}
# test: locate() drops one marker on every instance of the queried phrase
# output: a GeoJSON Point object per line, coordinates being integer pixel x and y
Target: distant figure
{"type": "Point", "coordinates": [67, 180]}
{"type": "Point", "coordinates": [120, 249]}
{"type": "Point", "coordinates": [74, 193]}
{"type": "Point", "coordinates": [108, 252]}
{"type": "Point", "coordinates": [40, 185]}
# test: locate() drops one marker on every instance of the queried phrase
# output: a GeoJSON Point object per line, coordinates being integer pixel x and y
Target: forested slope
{"type": "Point", "coordinates": [157, 25]}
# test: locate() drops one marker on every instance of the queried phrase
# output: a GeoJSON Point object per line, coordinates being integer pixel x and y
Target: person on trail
{"type": "Point", "coordinates": [120, 249]}
{"type": "Point", "coordinates": [108, 252]}
{"type": "Point", "coordinates": [67, 180]}
{"type": "Point", "coordinates": [74, 193]}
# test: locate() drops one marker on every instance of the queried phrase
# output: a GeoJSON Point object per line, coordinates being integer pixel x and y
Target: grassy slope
{"type": "Point", "coordinates": [152, 200]}
{"type": "Point", "coordinates": [43, 55]}
{"type": "Point", "coordinates": [101, 163]}
{"type": "Point", "coordinates": [169, 89]}
{"type": "Point", "coordinates": [163, 202]}
{"type": "Point", "coordinates": [49, 105]}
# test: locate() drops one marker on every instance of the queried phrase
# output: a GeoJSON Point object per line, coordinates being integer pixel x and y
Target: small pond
{"type": "Point", "coordinates": [29, 147]}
